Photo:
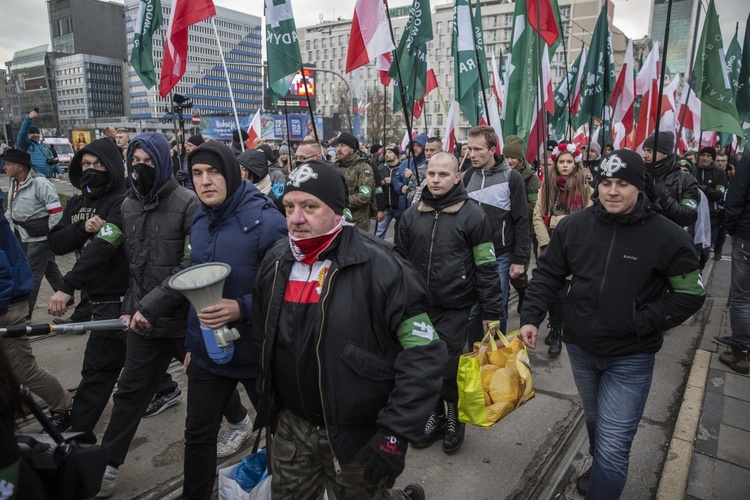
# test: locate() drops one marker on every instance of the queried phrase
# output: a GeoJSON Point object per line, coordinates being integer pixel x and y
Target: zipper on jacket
{"type": "Point", "coordinates": [432, 245]}
{"type": "Point", "coordinates": [336, 465]}
{"type": "Point", "coordinates": [481, 186]}
{"type": "Point", "coordinates": [606, 267]}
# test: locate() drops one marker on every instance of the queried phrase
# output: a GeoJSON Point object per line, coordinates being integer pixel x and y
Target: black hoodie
{"type": "Point", "coordinates": [102, 268]}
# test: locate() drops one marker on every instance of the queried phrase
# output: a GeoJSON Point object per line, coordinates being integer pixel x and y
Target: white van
{"type": "Point", "coordinates": [64, 150]}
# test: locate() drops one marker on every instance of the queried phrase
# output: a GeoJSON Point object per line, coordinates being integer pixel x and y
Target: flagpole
{"type": "Point", "coordinates": [385, 113]}
{"type": "Point", "coordinates": [309, 107]}
{"type": "Point", "coordinates": [479, 68]}
{"type": "Point", "coordinates": [540, 96]}
{"type": "Point", "coordinates": [286, 118]}
{"type": "Point", "coordinates": [229, 85]}
{"type": "Point", "coordinates": [401, 87]}
{"type": "Point", "coordinates": [692, 76]}
{"type": "Point", "coordinates": [567, 75]}
{"type": "Point", "coordinates": [175, 127]}
{"type": "Point", "coordinates": [661, 82]}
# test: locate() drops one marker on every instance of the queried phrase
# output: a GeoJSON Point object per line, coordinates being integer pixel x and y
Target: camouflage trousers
{"type": "Point", "coordinates": [302, 465]}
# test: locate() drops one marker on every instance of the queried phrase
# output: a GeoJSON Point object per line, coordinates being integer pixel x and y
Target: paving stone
{"type": "Point", "coordinates": [715, 381]}
{"type": "Point", "coordinates": [736, 413]}
{"type": "Point", "coordinates": [734, 446]}
{"type": "Point", "coordinates": [712, 479]}
{"type": "Point", "coordinates": [707, 437]}
{"type": "Point", "coordinates": [737, 386]}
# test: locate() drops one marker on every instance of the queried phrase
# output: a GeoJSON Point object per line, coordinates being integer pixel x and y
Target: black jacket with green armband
{"type": "Point", "coordinates": [378, 362]}
{"type": "Point", "coordinates": [633, 277]}
{"type": "Point", "coordinates": [102, 267]}
{"type": "Point", "coordinates": [450, 242]}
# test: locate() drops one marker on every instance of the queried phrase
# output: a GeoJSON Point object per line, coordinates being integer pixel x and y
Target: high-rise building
{"type": "Point", "coordinates": [204, 81]}
{"type": "Point", "coordinates": [32, 84]}
{"type": "Point", "coordinates": [324, 46]}
{"type": "Point", "coordinates": [681, 30]}
{"type": "Point", "coordinates": [87, 27]}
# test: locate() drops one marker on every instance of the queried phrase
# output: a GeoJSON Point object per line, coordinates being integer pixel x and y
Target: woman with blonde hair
{"type": "Point", "coordinates": [565, 190]}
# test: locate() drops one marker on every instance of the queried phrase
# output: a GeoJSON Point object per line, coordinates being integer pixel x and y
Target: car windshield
{"type": "Point", "coordinates": [64, 149]}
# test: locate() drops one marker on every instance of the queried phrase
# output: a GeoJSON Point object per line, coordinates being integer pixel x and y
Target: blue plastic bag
{"type": "Point", "coordinates": [252, 470]}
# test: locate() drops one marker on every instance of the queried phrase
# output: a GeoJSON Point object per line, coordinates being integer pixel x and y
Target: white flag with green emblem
{"type": "Point", "coordinates": [465, 68]}
{"type": "Point", "coordinates": [282, 47]}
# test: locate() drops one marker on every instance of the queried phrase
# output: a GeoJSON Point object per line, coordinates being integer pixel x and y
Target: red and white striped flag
{"type": "Point", "coordinates": [537, 135]}
{"type": "Point", "coordinates": [449, 136]}
{"type": "Point", "coordinates": [405, 140]}
{"type": "Point", "coordinates": [432, 84]}
{"type": "Point", "coordinates": [184, 14]}
{"type": "Point", "coordinates": [647, 85]}
{"type": "Point", "coordinates": [383, 64]}
{"type": "Point", "coordinates": [623, 95]}
{"type": "Point", "coordinates": [497, 83]}
{"type": "Point", "coordinates": [668, 121]}
{"type": "Point", "coordinates": [370, 35]}
{"type": "Point", "coordinates": [576, 100]}
{"type": "Point", "coordinates": [253, 131]}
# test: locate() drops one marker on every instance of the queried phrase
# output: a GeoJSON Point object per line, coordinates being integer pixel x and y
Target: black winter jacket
{"type": "Point", "coordinates": [377, 368]}
{"type": "Point", "coordinates": [713, 182]}
{"type": "Point", "coordinates": [737, 208]}
{"type": "Point", "coordinates": [678, 196]}
{"type": "Point", "coordinates": [451, 247]}
{"type": "Point", "coordinates": [633, 276]}
{"type": "Point", "coordinates": [157, 243]}
{"type": "Point", "coordinates": [102, 268]}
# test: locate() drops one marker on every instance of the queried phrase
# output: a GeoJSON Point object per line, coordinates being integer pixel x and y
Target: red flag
{"type": "Point", "coordinates": [537, 135]}
{"type": "Point", "coordinates": [253, 131]}
{"type": "Point", "coordinates": [370, 35]}
{"type": "Point", "coordinates": [184, 13]}
{"type": "Point", "coordinates": [576, 100]}
{"type": "Point", "coordinates": [549, 30]}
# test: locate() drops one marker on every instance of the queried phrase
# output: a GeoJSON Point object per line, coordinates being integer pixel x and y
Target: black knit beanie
{"type": "Point", "coordinates": [320, 179]}
{"type": "Point", "coordinates": [624, 164]}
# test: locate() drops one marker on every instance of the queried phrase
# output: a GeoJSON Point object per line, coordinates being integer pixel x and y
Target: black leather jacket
{"type": "Point", "coordinates": [678, 195]}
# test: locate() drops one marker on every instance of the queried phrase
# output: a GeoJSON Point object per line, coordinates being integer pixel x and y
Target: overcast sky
{"type": "Point", "coordinates": [24, 23]}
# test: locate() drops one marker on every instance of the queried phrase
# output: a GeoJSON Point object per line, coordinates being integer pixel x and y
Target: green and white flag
{"type": "Point", "coordinates": [713, 88]}
{"type": "Point", "coordinates": [142, 55]}
{"type": "Point", "coordinates": [743, 83]}
{"type": "Point", "coordinates": [563, 97]}
{"type": "Point", "coordinates": [282, 47]}
{"type": "Point", "coordinates": [412, 55]}
{"type": "Point", "coordinates": [465, 67]}
{"type": "Point", "coordinates": [599, 76]}
{"type": "Point", "coordinates": [523, 75]}
{"type": "Point", "coordinates": [734, 54]}
{"type": "Point", "coordinates": [479, 43]}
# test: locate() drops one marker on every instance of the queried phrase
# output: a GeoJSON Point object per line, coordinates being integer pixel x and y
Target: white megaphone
{"type": "Point", "coordinates": [203, 286]}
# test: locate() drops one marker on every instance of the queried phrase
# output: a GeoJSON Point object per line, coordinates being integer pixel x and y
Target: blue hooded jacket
{"type": "Point", "coordinates": [400, 180]}
{"type": "Point", "coordinates": [16, 280]}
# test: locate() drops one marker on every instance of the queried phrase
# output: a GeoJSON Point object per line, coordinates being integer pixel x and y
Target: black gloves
{"type": "Point", "coordinates": [384, 456]}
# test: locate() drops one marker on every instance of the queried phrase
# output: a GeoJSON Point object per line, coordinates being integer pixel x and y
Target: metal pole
{"type": "Point", "coordinates": [309, 107]}
{"type": "Point", "coordinates": [661, 82]}
{"type": "Point", "coordinates": [229, 85]}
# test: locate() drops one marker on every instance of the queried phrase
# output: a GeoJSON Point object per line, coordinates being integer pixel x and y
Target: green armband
{"type": "Point", "coordinates": [365, 190]}
{"type": "Point", "coordinates": [111, 234]}
{"type": "Point", "coordinates": [484, 253]}
{"type": "Point", "coordinates": [186, 248]}
{"type": "Point", "coordinates": [690, 284]}
{"type": "Point", "coordinates": [689, 203]}
{"type": "Point", "coordinates": [416, 331]}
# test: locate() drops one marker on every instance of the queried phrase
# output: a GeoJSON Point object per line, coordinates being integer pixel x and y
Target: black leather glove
{"type": "Point", "coordinates": [384, 457]}
{"type": "Point", "coordinates": [180, 176]}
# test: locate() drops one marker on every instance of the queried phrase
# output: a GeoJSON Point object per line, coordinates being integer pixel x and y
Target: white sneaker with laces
{"type": "Point", "coordinates": [109, 482]}
{"type": "Point", "coordinates": [234, 437]}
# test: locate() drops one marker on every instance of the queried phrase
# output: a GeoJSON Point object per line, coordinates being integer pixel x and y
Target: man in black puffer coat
{"type": "Point", "coordinates": [450, 242]}
{"type": "Point", "coordinates": [92, 225]}
{"type": "Point", "coordinates": [677, 192]}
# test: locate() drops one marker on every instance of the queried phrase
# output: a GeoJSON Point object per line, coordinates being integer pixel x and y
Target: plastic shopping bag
{"type": "Point", "coordinates": [247, 480]}
{"type": "Point", "coordinates": [493, 380]}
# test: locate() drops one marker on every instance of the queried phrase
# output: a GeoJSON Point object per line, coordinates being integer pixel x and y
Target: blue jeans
{"type": "Point", "coordinates": [739, 293]}
{"type": "Point", "coordinates": [613, 391]}
{"type": "Point", "coordinates": [474, 331]}
{"type": "Point", "coordinates": [389, 215]}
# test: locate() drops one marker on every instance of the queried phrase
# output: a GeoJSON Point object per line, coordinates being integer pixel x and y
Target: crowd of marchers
{"type": "Point", "coordinates": [349, 345]}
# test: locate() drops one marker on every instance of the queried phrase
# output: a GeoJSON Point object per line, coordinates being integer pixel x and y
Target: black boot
{"type": "Point", "coordinates": [454, 435]}
{"type": "Point", "coordinates": [582, 483]}
{"type": "Point", "coordinates": [435, 427]}
{"type": "Point", "coordinates": [521, 295]}
{"type": "Point", "coordinates": [555, 344]}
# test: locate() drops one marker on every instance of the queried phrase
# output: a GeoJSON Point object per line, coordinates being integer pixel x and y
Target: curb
{"type": "Point", "coordinates": [674, 477]}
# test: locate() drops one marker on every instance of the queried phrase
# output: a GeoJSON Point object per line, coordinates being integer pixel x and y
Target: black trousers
{"type": "Point", "coordinates": [451, 328]}
{"type": "Point", "coordinates": [146, 361]}
{"type": "Point", "coordinates": [209, 396]}
{"type": "Point", "coordinates": [102, 363]}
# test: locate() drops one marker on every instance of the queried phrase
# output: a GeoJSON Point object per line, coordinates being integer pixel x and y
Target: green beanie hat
{"type": "Point", "coordinates": [513, 147]}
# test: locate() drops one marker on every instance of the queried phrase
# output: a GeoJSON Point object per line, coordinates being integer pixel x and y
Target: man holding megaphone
{"type": "Point", "coordinates": [236, 224]}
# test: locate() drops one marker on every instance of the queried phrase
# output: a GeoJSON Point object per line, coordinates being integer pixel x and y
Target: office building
{"type": "Point", "coordinates": [681, 30]}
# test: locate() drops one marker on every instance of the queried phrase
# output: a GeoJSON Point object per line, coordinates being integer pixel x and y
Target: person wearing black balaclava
{"type": "Point", "coordinates": [449, 240]}
{"type": "Point", "coordinates": [156, 217]}
{"type": "Point", "coordinates": [92, 226]}
{"type": "Point", "coordinates": [236, 224]}
{"type": "Point", "coordinates": [677, 192]}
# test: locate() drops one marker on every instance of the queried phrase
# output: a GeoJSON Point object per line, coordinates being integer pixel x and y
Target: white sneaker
{"type": "Point", "coordinates": [109, 481]}
{"type": "Point", "coordinates": [234, 437]}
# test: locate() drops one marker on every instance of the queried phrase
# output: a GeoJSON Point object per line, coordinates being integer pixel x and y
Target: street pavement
{"type": "Point", "coordinates": [535, 452]}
